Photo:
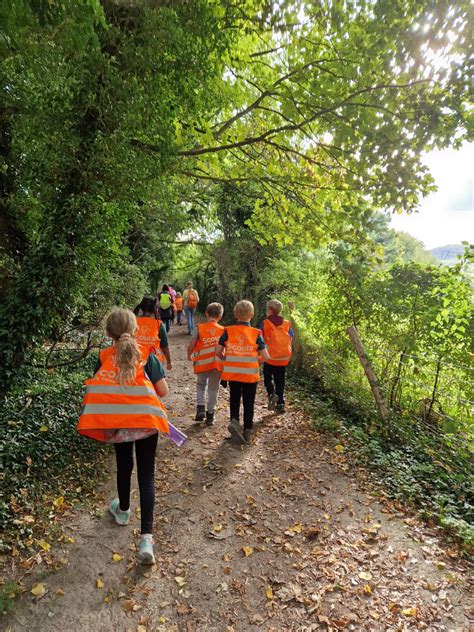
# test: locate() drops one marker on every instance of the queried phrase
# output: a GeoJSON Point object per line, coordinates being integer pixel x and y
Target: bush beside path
{"type": "Point", "coordinates": [279, 535]}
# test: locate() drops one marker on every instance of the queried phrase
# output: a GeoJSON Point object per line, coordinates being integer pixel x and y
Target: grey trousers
{"type": "Point", "coordinates": [208, 388]}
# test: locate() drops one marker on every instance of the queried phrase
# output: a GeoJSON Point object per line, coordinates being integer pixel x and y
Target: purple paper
{"type": "Point", "coordinates": [175, 435]}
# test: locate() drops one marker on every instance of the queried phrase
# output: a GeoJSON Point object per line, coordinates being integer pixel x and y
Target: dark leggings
{"type": "Point", "coordinates": [274, 374]}
{"type": "Point", "coordinates": [245, 391]}
{"type": "Point", "coordinates": [145, 450]}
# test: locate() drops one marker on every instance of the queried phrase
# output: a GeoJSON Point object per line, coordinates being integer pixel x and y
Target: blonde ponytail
{"type": "Point", "coordinates": [121, 326]}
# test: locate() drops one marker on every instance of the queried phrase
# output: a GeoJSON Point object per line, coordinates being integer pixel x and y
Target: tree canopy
{"type": "Point", "coordinates": [122, 121]}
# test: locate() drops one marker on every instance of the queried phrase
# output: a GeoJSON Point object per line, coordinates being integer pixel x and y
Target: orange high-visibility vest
{"type": "Point", "coordinates": [108, 405]}
{"type": "Point", "coordinates": [148, 335]}
{"type": "Point", "coordinates": [241, 354]}
{"type": "Point", "coordinates": [204, 356]}
{"type": "Point", "coordinates": [278, 342]}
{"type": "Point", "coordinates": [179, 304]}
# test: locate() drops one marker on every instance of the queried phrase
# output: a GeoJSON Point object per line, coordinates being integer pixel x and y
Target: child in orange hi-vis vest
{"type": "Point", "coordinates": [242, 349]}
{"type": "Point", "coordinates": [178, 303]}
{"type": "Point", "coordinates": [122, 406]}
{"type": "Point", "coordinates": [151, 330]}
{"type": "Point", "coordinates": [278, 334]}
{"type": "Point", "coordinates": [206, 365]}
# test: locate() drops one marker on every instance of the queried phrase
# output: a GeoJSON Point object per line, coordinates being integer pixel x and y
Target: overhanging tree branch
{"type": "Point", "coordinates": [199, 151]}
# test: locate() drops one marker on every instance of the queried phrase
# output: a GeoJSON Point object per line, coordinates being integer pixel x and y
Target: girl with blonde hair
{"type": "Point", "coordinates": [123, 406]}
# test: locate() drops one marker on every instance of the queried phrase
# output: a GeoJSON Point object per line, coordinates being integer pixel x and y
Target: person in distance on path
{"type": "Point", "coordinates": [179, 308]}
{"type": "Point", "coordinates": [191, 300]}
{"type": "Point", "coordinates": [151, 330]}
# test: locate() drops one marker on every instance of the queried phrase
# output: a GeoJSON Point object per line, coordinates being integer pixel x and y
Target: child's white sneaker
{"type": "Point", "coordinates": [145, 549]}
{"type": "Point", "coordinates": [121, 517]}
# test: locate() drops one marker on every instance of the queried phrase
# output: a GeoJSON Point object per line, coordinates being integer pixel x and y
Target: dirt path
{"type": "Point", "coordinates": [275, 536]}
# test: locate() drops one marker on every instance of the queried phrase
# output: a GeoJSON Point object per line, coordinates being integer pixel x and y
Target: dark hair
{"type": "Point", "coordinates": [165, 288]}
{"type": "Point", "coordinates": [147, 305]}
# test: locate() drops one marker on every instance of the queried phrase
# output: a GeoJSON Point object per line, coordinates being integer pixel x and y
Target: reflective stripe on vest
{"type": "Point", "coordinates": [231, 358]}
{"type": "Point", "coordinates": [241, 354]}
{"type": "Point", "coordinates": [241, 369]}
{"type": "Point", "coordinates": [204, 355]}
{"type": "Point", "coordinates": [210, 360]}
{"type": "Point", "coordinates": [123, 409]}
{"type": "Point", "coordinates": [119, 390]}
{"type": "Point", "coordinates": [109, 405]}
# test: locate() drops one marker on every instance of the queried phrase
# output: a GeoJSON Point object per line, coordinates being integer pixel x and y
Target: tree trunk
{"type": "Point", "coordinates": [370, 373]}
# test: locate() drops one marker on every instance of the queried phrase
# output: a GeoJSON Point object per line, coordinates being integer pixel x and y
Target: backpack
{"type": "Point", "coordinates": [279, 344]}
{"type": "Point", "coordinates": [192, 299]}
{"type": "Point", "coordinates": [165, 300]}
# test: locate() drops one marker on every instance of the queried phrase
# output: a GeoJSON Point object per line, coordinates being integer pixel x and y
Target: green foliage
{"type": "Point", "coordinates": [8, 592]}
{"type": "Point", "coordinates": [42, 456]}
{"type": "Point", "coordinates": [325, 109]}
{"type": "Point", "coordinates": [81, 84]}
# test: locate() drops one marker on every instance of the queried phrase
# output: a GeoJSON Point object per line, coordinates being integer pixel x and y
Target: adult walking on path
{"type": "Point", "coordinates": [165, 301]}
{"type": "Point", "coordinates": [191, 300]}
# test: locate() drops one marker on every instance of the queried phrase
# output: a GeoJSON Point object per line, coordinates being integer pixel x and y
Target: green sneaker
{"type": "Point", "coordinates": [121, 517]}
{"type": "Point", "coordinates": [145, 549]}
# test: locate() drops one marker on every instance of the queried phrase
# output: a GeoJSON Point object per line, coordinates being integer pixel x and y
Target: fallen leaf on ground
{"type": "Point", "coordinates": [60, 592]}
{"type": "Point", "coordinates": [181, 581]}
{"type": "Point", "coordinates": [296, 528]}
{"type": "Point", "coordinates": [410, 612]}
{"type": "Point", "coordinates": [57, 502]}
{"type": "Point", "coordinates": [44, 545]}
{"type": "Point", "coordinates": [339, 448]}
{"type": "Point", "coordinates": [226, 533]}
{"type": "Point", "coordinates": [312, 533]}
{"type": "Point", "coordinates": [289, 591]}
{"type": "Point", "coordinates": [217, 528]}
{"type": "Point", "coordinates": [44, 429]}
{"type": "Point", "coordinates": [247, 550]}
{"type": "Point", "coordinates": [269, 592]}
{"type": "Point", "coordinates": [38, 590]}
{"type": "Point", "coordinates": [99, 583]}
{"type": "Point", "coordinates": [117, 557]}
{"type": "Point", "coordinates": [367, 575]}
{"type": "Point", "coordinates": [367, 589]}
